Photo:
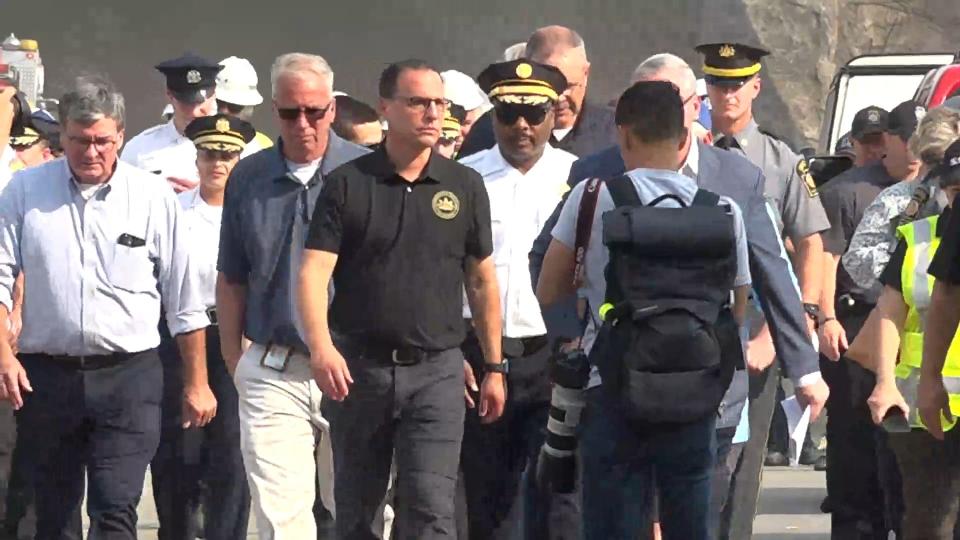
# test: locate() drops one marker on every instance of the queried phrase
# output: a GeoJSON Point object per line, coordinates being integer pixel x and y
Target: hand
{"type": "Point", "coordinates": [470, 384]}
{"type": "Point", "coordinates": [493, 396]}
{"type": "Point", "coordinates": [814, 396]}
{"type": "Point", "coordinates": [569, 346]}
{"type": "Point", "coordinates": [932, 403]}
{"type": "Point", "coordinates": [331, 374]}
{"type": "Point", "coordinates": [180, 185]}
{"type": "Point", "coordinates": [13, 379]}
{"type": "Point", "coordinates": [885, 396]}
{"type": "Point", "coordinates": [833, 340]}
{"type": "Point", "coordinates": [199, 406]}
{"type": "Point", "coordinates": [15, 320]}
{"type": "Point", "coordinates": [760, 353]}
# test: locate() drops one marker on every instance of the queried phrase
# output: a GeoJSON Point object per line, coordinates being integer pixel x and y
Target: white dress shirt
{"type": "Point", "coordinates": [203, 227]}
{"type": "Point", "coordinates": [99, 267]}
{"type": "Point", "coordinates": [163, 151]}
{"type": "Point", "coordinates": [520, 204]}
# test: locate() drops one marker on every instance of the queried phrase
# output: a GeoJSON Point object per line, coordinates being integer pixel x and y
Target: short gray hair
{"type": "Point", "coordinates": [658, 63]}
{"type": "Point", "coordinates": [548, 40]}
{"type": "Point", "coordinates": [92, 99]}
{"type": "Point", "coordinates": [935, 132]}
{"type": "Point", "coordinates": [300, 64]}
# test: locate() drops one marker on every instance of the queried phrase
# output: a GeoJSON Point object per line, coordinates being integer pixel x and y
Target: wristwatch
{"type": "Point", "coordinates": [812, 311]}
{"type": "Point", "coordinates": [502, 367]}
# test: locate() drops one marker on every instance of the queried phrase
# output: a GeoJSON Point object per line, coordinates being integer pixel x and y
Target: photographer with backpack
{"type": "Point", "coordinates": [657, 276]}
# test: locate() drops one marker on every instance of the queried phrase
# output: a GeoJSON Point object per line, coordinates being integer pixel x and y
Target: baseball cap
{"type": "Point", "coordinates": [237, 82]}
{"type": "Point", "coordinates": [868, 121]}
{"type": "Point", "coordinates": [904, 118]}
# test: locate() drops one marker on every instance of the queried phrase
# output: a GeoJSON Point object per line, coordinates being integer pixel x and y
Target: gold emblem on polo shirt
{"type": "Point", "coordinates": [803, 171]}
{"type": "Point", "coordinates": [223, 125]}
{"type": "Point", "coordinates": [193, 76]}
{"type": "Point", "coordinates": [727, 51]}
{"type": "Point", "coordinates": [446, 205]}
{"type": "Point", "coordinates": [524, 70]}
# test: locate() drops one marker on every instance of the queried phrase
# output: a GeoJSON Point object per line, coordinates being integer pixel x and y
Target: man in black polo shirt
{"type": "Point", "coordinates": [400, 231]}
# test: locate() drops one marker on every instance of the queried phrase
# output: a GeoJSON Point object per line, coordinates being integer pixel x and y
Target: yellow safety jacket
{"type": "Point", "coordinates": [922, 242]}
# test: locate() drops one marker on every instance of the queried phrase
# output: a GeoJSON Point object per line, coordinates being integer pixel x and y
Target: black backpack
{"type": "Point", "coordinates": [669, 344]}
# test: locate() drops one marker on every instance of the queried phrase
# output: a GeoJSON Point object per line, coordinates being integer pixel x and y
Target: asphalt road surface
{"type": "Point", "coordinates": [789, 507]}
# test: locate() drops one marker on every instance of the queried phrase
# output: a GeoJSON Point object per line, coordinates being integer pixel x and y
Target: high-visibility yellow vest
{"type": "Point", "coordinates": [922, 243]}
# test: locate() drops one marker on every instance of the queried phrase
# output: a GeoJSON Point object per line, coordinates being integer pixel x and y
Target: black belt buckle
{"type": "Point", "coordinates": [212, 315]}
{"type": "Point", "coordinates": [405, 357]}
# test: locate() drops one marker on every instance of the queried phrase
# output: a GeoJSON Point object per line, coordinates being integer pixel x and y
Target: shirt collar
{"type": "Point", "coordinates": [172, 131]}
{"type": "Point", "coordinates": [692, 163]}
{"type": "Point", "coordinates": [661, 181]}
{"type": "Point", "coordinates": [118, 175]}
{"type": "Point", "coordinates": [384, 169]}
{"type": "Point", "coordinates": [503, 165]}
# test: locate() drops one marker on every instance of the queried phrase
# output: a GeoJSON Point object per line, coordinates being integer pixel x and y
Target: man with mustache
{"type": "Point", "coordinates": [581, 127]}
{"type": "Point", "coordinates": [525, 178]}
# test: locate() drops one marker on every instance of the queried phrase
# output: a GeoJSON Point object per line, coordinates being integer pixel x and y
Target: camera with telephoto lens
{"type": "Point", "coordinates": [557, 464]}
{"type": "Point", "coordinates": [21, 108]}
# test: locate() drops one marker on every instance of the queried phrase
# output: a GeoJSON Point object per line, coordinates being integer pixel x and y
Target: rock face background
{"type": "Point", "coordinates": [809, 38]}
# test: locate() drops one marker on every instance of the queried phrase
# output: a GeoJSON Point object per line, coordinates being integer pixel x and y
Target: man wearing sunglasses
{"type": "Point", "coordinates": [237, 97]}
{"type": "Point", "coordinates": [268, 204]}
{"type": "Point", "coordinates": [525, 180]}
{"type": "Point", "coordinates": [581, 127]}
{"type": "Point", "coordinates": [163, 149]}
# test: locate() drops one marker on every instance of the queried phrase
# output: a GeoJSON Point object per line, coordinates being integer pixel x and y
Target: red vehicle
{"type": "Point", "coordinates": [939, 84]}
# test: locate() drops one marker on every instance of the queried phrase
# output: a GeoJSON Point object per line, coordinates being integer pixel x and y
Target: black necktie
{"type": "Point", "coordinates": [725, 143]}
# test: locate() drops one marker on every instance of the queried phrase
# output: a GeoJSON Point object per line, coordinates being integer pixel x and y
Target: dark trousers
{"type": "Point", "coordinates": [102, 421]}
{"type": "Point", "coordinates": [728, 455]}
{"type": "Point", "coordinates": [618, 461]}
{"type": "Point", "coordinates": [858, 463]}
{"type": "Point", "coordinates": [745, 485]}
{"type": "Point", "coordinates": [413, 413]}
{"type": "Point", "coordinates": [931, 483]}
{"type": "Point", "coordinates": [499, 460]}
{"type": "Point", "coordinates": [188, 461]}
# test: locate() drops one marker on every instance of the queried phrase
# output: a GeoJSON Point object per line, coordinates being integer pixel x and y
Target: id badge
{"type": "Point", "coordinates": [276, 357]}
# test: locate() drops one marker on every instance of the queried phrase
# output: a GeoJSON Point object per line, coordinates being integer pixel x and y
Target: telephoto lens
{"type": "Point", "coordinates": [21, 112]}
{"type": "Point", "coordinates": [557, 465]}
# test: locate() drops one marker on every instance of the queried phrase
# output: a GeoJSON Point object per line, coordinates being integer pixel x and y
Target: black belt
{"type": "Point", "coordinates": [85, 363]}
{"type": "Point", "coordinates": [848, 305]}
{"type": "Point", "coordinates": [521, 347]}
{"type": "Point", "coordinates": [403, 355]}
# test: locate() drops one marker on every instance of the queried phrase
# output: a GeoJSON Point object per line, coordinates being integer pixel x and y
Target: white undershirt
{"type": "Point", "coordinates": [560, 133]}
{"type": "Point", "coordinates": [304, 171]}
{"type": "Point", "coordinates": [87, 191]}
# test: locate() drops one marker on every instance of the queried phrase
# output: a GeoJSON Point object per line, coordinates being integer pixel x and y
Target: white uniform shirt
{"type": "Point", "coordinates": [163, 151]}
{"type": "Point", "coordinates": [203, 227]}
{"type": "Point", "coordinates": [520, 204]}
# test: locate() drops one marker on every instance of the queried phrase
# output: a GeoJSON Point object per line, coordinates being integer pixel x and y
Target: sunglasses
{"type": "Point", "coordinates": [312, 114]}
{"type": "Point", "coordinates": [509, 114]}
{"type": "Point", "coordinates": [231, 108]}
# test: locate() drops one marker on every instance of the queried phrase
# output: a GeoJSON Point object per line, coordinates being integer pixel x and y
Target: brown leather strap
{"type": "Point", "coordinates": [588, 207]}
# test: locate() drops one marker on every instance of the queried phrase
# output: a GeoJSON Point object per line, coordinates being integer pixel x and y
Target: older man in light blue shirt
{"type": "Point", "coordinates": [104, 245]}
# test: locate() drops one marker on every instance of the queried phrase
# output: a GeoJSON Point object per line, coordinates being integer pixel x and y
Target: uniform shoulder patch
{"type": "Point", "coordinates": [803, 171]}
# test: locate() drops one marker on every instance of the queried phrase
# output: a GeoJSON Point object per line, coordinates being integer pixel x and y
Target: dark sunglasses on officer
{"type": "Point", "coordinates": [509, 113]}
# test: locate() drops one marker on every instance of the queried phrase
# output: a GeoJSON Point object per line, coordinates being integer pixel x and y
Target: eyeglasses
{"type": "Point", "coordinates": [421, 104]}
{"type": "Point", "coordinates": [509, 114]}
{"type": "Point", "coordinates": [100, 144]}
{"type": "Point", "coordinates": [231, 108]}
{"type": "Point", "coordinates": [311, 113]}
{"type": "Point", "coordinates": [219, 155]}
{"type": "Point", "coordinates": [690, 98]}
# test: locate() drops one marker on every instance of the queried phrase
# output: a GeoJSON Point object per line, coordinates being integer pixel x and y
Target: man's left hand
{"type": "Point", "coordinates": [180, 185]}
{"type": "Point", "coordinates": [199, 406]}
{"type": "Point", "coordinates": [493, 396]}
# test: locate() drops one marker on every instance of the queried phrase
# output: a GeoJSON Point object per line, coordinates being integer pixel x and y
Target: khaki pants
{"type": "Point", "coordinates": [281, 427]}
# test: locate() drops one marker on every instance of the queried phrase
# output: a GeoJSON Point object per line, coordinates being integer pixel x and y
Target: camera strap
{"type": "Point", "coordinates": [585, 214]}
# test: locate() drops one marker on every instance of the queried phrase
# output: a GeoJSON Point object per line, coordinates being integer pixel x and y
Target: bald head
{"type": "Point", "coordinates": [552, 41]}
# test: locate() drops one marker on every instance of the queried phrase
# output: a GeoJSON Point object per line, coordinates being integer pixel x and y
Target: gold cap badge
{"type": "Point", "coordinates": [726, 51]}
{"type": "Point", "coordinates": [524, 71]}
{"type": "Point", "coordinates": [223, 125]}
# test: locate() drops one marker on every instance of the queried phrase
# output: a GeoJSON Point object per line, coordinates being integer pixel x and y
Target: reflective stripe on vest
{"type": "Point", "coordinates": [922, 243]}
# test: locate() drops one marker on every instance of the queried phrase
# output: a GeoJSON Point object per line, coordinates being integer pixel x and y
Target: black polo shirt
{"type": "Point", "coordinates": [402, 248]}
{"type": "Point", "coordinates": [945, 265]}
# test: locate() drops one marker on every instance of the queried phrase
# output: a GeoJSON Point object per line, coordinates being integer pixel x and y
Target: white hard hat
{"type": "Point", "coordinates": [237, 82]}
{"type": "Point", "coordinates": [701, 87]}
{"type": "Point", "coordinates": [462, 90]}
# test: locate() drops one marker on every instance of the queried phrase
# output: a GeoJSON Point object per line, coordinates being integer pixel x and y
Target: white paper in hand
{"type": "Point", "coordinates": [797, 422]}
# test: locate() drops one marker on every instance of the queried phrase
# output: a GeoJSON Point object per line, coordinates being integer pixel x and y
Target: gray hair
{"type": "Point", "coordinates": [514, 52]}
{"type": "Point", "coordinates": [658, 63]}
{"type": "Point", "coordinates": [92, 99]}
{"type": "Point", "coordinates": [548, 40]}
{"type": "Point", "coordinates": [938, 129]}
{"type": "Point", "coordinates": [300, 64]}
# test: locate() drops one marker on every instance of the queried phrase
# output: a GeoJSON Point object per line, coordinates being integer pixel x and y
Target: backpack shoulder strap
{"type": "Point", "coordinates": [622, 191]}
{"type": "Point", "coordinates": [705, 198]}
